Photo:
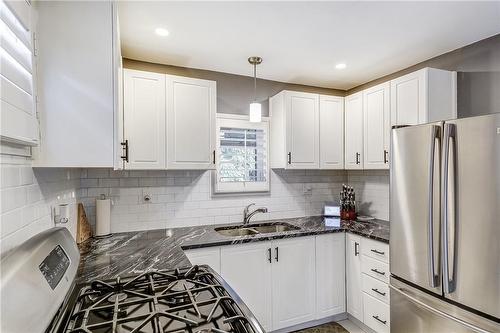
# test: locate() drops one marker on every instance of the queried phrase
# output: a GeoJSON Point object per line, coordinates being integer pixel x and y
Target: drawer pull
{"type": "Point", "coordinates": [377, 271]}
{"type": "Point", "coordinates": [377, 252]}
{"type": "Point", "coordinates": [380, 320]}
{"type": "Point", "coordinates": [378, 291]}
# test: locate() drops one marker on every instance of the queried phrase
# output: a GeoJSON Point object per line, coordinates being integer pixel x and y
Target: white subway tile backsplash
{"type": "Point", "coordinates": [372, 191]}
{"type": "Point", "coordinates": [182, 198]}
{"type": "Point", "coordinates": [27, 196]}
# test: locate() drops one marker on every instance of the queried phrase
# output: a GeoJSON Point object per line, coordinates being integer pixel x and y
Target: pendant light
{"type": "Point", "coordinates": [255, 107]}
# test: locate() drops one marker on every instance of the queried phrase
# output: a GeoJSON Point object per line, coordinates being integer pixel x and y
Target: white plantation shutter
{"type": "Point", "coordinates": [242, 156]}
{"type": "Point", "coordinates": [18, 121]}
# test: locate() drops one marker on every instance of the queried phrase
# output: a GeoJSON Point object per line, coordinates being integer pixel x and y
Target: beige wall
{"type": "Point", "coordinates": [234, 92]}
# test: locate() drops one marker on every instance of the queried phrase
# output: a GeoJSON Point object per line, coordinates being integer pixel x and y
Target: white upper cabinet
{"type": "Point", "coordinates": [294, 130]}
{"type": "Point", "coordinates": [76, 76]}
{"type": "Point", "coordinates": [354, 131]}
{"type": "Point", "coordinates": [168, 121]}
{"type": "Point", "coordinates": [144, 119]}
{"type": "Point", "coordinates": [191, 110]}
{"type": "Point", "coordinates": [423, 96]}
{"type": "Point", "coordinates": [331, 132]}
{"type": "Point", "coordinates": [377, 126]}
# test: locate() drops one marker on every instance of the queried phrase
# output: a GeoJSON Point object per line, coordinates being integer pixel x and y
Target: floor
{"type": "Point", "coordinates": [343, 326]}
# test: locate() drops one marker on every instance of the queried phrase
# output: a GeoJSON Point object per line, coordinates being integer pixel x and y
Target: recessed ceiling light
{"type": "Point", "coordinates": [161, 32]}
{"type": "Point", "coordinates": [340, 66]}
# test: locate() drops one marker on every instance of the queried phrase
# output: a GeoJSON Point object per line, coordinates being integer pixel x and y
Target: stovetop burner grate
{"type": "Point", "coordinates": [190, 300]}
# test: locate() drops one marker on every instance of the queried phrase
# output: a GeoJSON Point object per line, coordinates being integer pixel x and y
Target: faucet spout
{"type": "Point", "coordinates": [247, 216]}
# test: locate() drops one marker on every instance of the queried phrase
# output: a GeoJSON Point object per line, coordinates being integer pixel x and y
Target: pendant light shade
{"type": "Point", "coordinates": [255, 112]}
{"type": "Point", "coordinates": [255, 107]}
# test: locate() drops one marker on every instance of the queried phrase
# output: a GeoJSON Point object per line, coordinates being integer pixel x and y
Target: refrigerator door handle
{"type": "Point", "coordinates": [433, 277]}
{"type": "Point", "coordinates": [406, 293]}
{"type": "Point", "coordinates": [448, 194]}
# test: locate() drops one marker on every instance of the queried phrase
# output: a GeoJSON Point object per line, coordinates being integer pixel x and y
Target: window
{"type": "Point", "coordinates": [241, 157]}
{"type": "Point", "coordinates": [18, 121]}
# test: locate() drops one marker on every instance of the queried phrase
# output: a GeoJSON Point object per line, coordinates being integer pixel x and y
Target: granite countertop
{"type": "Point", "coordinates": [131, 253]}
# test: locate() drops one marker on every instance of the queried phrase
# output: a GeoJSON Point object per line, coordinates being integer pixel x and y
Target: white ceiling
{"type": "Point", "coordinates": [301, 42]}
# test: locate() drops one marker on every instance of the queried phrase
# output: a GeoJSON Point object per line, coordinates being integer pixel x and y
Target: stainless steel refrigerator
{"type": "Point", "coordinates": [445, 226]}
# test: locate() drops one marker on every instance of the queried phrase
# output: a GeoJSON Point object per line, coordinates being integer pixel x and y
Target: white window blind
{"type": "Point", "coordinates": [18, 120]}
{"type": "Point", "coordinates": [242, 150]}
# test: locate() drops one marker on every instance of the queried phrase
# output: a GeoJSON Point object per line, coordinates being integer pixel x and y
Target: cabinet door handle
{"type": "Point", "coordinates": [380, 320]}
{"type": "Point", "coordinates": [378, 291]}
{"type": "Point", "coordinates": [377, 271]}
{"type": "Point", "coordinates": [386, 160]}
{"type": "Point", "coordinates": [269, 255]}
{"type": "Point", "coordinates": [356, 248]}
{"type": "Point", "coordinates": [357, 158]}
{"type": "Point", "coordinates": [377, 252]}
{"type": "Point", "coordinates": [125, 148]}
{"type": "Point", "coordinates": [213, 157]}
{"type": "Point", "coordinates": [277, 254]}
{"type": "Point", "coordinates": [289, 157]}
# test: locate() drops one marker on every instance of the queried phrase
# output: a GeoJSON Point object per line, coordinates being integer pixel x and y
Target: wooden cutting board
{"type": "Point", "coordinates": [83, 229]}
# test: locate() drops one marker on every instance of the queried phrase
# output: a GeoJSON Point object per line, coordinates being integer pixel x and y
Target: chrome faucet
{"type": "Point", "coordinates": [247, 216]}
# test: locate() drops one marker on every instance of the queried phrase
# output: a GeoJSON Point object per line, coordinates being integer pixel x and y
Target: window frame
{"type": "Point", "coordinates": [243, 122]}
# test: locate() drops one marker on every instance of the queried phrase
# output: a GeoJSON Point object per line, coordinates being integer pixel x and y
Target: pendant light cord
{"type": "Point", "coordinates": [255, 82]}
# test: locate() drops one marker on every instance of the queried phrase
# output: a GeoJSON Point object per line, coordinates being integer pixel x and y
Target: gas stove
{"type": "Point", "coordinates": [193, 299]}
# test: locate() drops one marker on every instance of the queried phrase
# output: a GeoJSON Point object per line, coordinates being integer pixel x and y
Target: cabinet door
{"type": "Point", "coordinates": [302, 134]}
{"type": "Point", "coordinates": [191, 108]}
{"type": "Point", "coordinates": [408, 102]}
{"type": "Point", "coordinates": [331, 132]}
{"type": "Point", "coordinates": [144, 119]}
{"type": "Point", "coordinates": [206, 256]}
{"type": "Point", "coordinates": [293, 286]}
{"type": "Point", "coordinates": [353, 277]}
{"type": "Point", "coordinates": [247, 269]}
{"type": "Point", "coordinates": [377, 127]}
{"type": "Point", "coordinates": [330, 275]}
{"type": "Point", "coordinates": [354, 131]}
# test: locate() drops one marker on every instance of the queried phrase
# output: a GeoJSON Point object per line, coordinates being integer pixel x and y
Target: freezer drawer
{"type": "Point", "coordinates": [417, 312]}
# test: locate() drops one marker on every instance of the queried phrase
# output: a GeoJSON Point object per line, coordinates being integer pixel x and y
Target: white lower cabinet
{"type": "Point", "coordinates": [294, 285]}
{"type": "Point", "coordinates": [247, 269]}
{"type": "Point", "coordinates": [367, 282]}
{"type": "Point", "coordinates": [376, 314]}
{"type": "Point", "coordinates": [353, 276]}
{"type": "Point", "coordinates": [205, 256]}
{"type": "Point", "coordinates": [283, 282]}
{"type": "Point", "coordinates": [330, 275]}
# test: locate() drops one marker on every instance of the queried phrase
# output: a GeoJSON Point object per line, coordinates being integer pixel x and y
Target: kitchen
{"type": "Point", "coordinates": [215, 166]}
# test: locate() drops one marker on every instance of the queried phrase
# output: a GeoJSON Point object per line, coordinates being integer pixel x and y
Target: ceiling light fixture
{"type": "Point", "coordinates": [255, 107]}
{"type": "Point", "coordinates": [161, 32]}
{"type": "Point", "coordinates": [340, 66]}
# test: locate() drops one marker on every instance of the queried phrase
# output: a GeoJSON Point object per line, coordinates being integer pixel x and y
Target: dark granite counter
{"type": "Point", "coordinates": [130, 253]}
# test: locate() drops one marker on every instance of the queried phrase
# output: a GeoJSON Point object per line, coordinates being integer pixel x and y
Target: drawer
{"type": "Point", "coordinates": [375, 249]}
{"type": "Point", "coordinates": [376, 314]}
{"type": "Point", "coordinates": [376, 288]}
{"type": "Point", "coordinates": [375, 268]}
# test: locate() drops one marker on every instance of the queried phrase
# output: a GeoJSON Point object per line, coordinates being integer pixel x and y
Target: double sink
{"type": "Point", "coordinates": [255, 229]}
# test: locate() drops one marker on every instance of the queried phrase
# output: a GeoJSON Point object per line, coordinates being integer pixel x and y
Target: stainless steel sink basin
{"type": "Point", "coordinates": [268, 228]}
{"type": "Point", "coordinates": [255, 229]}
{"type": "Point", "coordinates": [234, 232]}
